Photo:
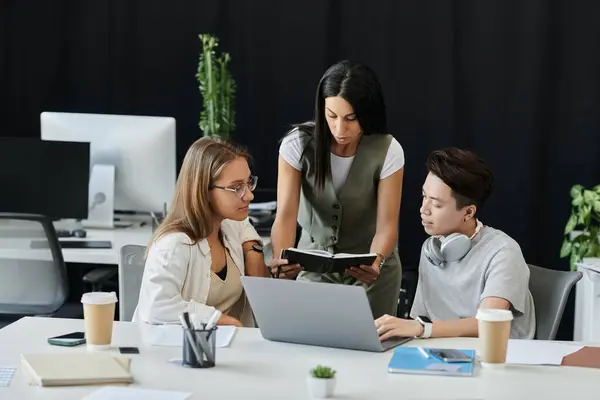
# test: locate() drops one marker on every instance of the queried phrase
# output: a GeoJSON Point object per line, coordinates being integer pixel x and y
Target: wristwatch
{"type": "Point", "coordinates": [427, 325]}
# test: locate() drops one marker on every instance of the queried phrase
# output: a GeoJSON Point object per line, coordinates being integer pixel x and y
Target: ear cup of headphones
{"type": "Point", "coordinates": [432, 251]}
{"type": "Point", "coordinates": [454, 247]}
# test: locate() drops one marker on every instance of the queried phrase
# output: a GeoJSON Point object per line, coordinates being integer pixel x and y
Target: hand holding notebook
{"type": "Point", "coordinates": [321, 261]}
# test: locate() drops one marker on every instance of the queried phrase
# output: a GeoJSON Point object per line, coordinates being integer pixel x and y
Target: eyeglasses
{"type": "Point", "coordinates": [240, 190]}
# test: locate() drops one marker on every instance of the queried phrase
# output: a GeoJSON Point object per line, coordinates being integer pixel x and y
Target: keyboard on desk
{"type": "Point", "coordinates": [74, 244]}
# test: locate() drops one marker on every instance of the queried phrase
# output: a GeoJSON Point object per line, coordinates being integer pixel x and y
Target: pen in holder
{"type": "Point", "coordinates": [200, 353]}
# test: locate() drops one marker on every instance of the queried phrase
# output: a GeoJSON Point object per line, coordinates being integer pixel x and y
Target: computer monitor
{"type": "Point", "coordinates": [141, 149]}
{"type": "Point", "coordinates": [48, 178]}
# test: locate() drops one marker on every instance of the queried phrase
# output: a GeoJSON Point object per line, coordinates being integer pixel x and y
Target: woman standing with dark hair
{"type": "Point", "coordinates": [340, 177]}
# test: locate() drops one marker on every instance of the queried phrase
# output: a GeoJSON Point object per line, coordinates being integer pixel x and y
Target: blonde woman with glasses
{"type": "Point", "coordinates": [197, 255]}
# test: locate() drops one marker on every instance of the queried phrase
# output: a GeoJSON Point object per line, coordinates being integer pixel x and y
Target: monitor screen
{"type": "Point", "coordinates": [48, 178]}
{"type": "Point", "coordinates": [141, 148]}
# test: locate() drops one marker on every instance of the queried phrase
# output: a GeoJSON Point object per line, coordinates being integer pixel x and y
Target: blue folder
{"type": "Point", "coordinates": [409, 360]}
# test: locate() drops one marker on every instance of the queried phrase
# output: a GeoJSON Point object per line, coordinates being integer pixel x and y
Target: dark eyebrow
{"type": "Point", "coordinates": [345, 116]}
{"type": "Point", "coordinates": [432, 198]}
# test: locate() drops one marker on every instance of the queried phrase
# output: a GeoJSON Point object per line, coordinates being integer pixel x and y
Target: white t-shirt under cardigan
{"type": "Point", "coordinates": [292, 147]}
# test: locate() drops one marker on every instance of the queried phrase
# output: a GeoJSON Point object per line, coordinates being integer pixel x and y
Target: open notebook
{"type": "Point", "coordinates": [59, 369]}
{"type": "Point", "coordinates": [322, 261]}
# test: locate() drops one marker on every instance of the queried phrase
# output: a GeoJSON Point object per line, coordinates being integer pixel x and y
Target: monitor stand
{"type": "Point", "coordinates": [101, 198]}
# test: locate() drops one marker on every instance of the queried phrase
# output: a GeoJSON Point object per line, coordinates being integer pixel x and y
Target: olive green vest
{"type": "Point", "coordinates": [344, 222]}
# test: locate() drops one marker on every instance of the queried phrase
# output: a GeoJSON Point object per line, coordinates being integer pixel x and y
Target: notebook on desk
{"type": "Point", "coordinates": [410, 360]}
{"type": "Point", "coordinates": [76, 369]}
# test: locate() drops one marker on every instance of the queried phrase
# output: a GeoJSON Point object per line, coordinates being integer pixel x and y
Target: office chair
{"type": "Point", "coordinates": [550, 290]}
{"type": "Point", "coordinates": [34, 278]}
{"type": "Point", "coordinates": [131, 270]}
{"type": "Point", "coordinates": [410, 280]}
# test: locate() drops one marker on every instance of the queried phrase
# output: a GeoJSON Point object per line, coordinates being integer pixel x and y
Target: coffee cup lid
{"type": "Point", "coordinates": [494, 315]}
{"type": "Point", "coordinates": [99, 298]}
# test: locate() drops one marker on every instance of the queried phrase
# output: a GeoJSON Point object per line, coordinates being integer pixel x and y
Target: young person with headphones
{"type": "Point", "coordinates": [464, 264]}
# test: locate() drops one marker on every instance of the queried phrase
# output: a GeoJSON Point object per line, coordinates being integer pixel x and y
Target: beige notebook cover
{"type": "Point", "coordinates": [77, 369]}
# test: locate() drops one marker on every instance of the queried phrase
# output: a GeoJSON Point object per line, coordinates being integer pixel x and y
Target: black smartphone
{"type": "Point", "coordinates": [129, 350]}
{"type": "Point", "coordinates": [69, 340]}
{"type": "Point", "coordinates": [450, 355]}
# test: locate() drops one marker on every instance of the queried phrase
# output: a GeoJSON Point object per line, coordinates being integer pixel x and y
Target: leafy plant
{"type": "Point", "coordinates": [585, 217]}
{"type": "Point", "coordinates": [217, 88]}
{"type": "Point", "coordinates": [322, 372]}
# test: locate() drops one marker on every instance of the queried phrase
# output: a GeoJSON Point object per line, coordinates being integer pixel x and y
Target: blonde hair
{"type": "Point", "coordinates": [191, 212]}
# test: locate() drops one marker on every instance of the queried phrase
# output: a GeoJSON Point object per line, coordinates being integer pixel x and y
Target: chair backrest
{"type": "Point", "coordinates": [131, 270]}
{"type": "Point", "coordinates": [33, 275]}
{"type": "Point", "coordinates": [550, 290]}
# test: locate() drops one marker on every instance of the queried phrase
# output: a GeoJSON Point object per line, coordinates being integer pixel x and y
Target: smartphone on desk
{"type": "Point", "coordinates": [70, 339]}
{"type": "Point", "coordinates": [450, 355]}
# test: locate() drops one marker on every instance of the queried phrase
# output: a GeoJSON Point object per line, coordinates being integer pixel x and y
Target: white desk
{"type": "Point", "coordinates": [119, 237]}
{"type": "Point", "coordinates": [20, 248]}
{"type": "Point", "coordinates": [253, 368]}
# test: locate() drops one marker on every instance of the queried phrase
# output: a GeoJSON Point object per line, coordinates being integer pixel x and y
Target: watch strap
{"type": "Point", "coordinates": [427, 329]}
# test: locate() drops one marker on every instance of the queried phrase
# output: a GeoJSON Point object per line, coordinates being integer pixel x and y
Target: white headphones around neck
{"type": "Point", "coordinates": [440, 250]}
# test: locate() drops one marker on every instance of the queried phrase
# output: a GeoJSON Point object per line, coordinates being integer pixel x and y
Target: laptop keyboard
{"type": "Point", "coordinates": [388, 344]}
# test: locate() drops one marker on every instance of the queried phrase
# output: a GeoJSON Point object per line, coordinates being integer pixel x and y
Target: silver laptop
{"type": "Point", "coordinates": [318, 314]}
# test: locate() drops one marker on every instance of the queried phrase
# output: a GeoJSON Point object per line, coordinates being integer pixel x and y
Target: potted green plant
{"type": "Point", "coordinates": [321, 382]}
{"type": "Point", "coordinates": [583, 227]}
{"type": "Point", "coordinates": [217, 88]}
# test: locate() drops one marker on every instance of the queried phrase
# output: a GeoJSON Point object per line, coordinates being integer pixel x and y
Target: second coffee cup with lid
{"type": "Point", "coordinates": [494, 331]}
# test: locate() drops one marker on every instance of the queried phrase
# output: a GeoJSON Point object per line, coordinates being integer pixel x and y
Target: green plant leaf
{"type": "Point", "coordinates": [577, 201]}
{"type": "Point", "coordinates": [574, 259]}
{"type": "Point", "coordinates": [571, 224]}
{"type": "Point", "coordinates": [590, 196]}
{"type": "Point", "coordinates": [576, 191]}
{"type": "Point", "coordinates": [565, 250]}
{"type": "Point", "coordinates": [584, 216]}
{"type": "Point", "coordinates": [596, 189]}
{"type": "Point", "coordinates": [322, 372]}
{"type": "Point", "coordinates": [580, 238]}
{"type": "Point", "coordinates": [597, 206]}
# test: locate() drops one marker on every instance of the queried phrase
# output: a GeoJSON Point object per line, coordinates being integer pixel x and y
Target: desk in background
{"type": "Point", "coordinates": [254, 368]}
{"type": "Point", "coordinates": [119, 237]}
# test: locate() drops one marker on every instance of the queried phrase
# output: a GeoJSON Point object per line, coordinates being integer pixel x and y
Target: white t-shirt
{"type": "Point", "coordinates": [291, 151]}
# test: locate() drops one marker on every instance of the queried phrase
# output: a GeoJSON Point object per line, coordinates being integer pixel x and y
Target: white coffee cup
{"type": "Point", "coordinates": [98, 315]}
{"type": "Point", "coordinates": [494, 331]}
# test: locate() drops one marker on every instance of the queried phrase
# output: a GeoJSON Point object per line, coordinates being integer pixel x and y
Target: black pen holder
{"type": "Point", "coordinates": [201, 352]}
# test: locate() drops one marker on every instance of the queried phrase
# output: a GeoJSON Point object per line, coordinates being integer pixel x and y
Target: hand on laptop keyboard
{"type": "Point", "coordinates": [389, 327]}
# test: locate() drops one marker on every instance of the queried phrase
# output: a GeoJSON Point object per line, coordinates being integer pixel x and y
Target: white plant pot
{"type": "Point", "coordinates": [591, 260]}
{"type": "Point", "coordinates": [320, 388]}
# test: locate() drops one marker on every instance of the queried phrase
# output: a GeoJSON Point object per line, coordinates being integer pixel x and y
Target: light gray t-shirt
{"type": "Point", "coordinates": [494, 267]}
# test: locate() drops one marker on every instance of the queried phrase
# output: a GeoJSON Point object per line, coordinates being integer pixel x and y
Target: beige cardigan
{"type": "Point", "coordinates": [177, 275]}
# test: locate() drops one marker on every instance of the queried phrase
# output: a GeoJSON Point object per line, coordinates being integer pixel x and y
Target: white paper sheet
{"type": "Point", "coordinates": [125, 393]}
{"type": "Point", "coordinates": [538, 352]}
{"type": "Point", "coordinates": [172, 335]}
{"type": "Point", "coordinates": [6, 376]}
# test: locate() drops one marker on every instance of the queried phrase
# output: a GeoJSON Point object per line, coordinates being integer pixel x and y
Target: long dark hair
{"type": "Point", "coordinates": [358, 85]}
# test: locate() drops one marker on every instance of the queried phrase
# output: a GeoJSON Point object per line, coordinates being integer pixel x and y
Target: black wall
{"type": "Point", "coordinates": [517, 81]}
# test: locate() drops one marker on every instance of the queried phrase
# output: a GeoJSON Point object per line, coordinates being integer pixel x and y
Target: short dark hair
{"type": "Point", "coordinates": [469, 177]}
{"type": "Point", "coordinates": [358, 85]}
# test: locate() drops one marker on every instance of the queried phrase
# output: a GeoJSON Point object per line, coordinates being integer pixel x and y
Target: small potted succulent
{"type": "Point", "coordinates": [321, 382]}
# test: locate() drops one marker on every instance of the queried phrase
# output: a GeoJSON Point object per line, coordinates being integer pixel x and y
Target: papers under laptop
{"type": "Point", "coordinates": [172, 335]}
{"type": "Point", "coordinates": [318, 314]}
